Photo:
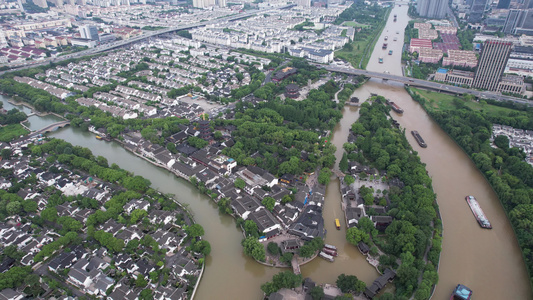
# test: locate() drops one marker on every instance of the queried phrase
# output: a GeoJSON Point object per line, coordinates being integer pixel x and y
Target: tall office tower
{"type": "Point", "coordinates": [198, 3]}
{"type": "Point", "coordinates": [89, 32]}
{"type": "Point", "coordinates": [304, 3]}
{"type": "Point", "coordinates": [435, 9]}
{"type": "Point", "coordinates": [511, 21]}
{"type": "Point", "coordinates": [40, 3]}
{"type": "Point", "coordinates": [503, 4]}
{"type": "Point", "coordinates": [527, 4]}
{"type": "Point", "coordinates": [476, 11]}
{"type": "Point", "coordinates": [492, 63]}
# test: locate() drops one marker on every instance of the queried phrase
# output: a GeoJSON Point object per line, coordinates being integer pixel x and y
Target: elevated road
{"type": "Point", "coordinates": [146, 35]}
{"type": "Point", "coordinates": [427, 84]}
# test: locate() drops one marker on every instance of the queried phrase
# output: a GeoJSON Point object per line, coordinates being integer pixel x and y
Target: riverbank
{"type": "Point", "coordinates": [358, 52]}
{"type": "Point", "coordinates": [21, 102]}
{"type": "Point", "coordinates": [496, 185]}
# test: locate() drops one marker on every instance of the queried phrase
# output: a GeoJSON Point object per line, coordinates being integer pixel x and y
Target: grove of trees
{"type": "Point", "coordinates": [415, 224]}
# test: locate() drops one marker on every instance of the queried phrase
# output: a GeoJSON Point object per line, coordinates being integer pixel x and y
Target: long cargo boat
{"type": "Point", "coordinates": [461, 292]}
{"type": "Point", "coordinates": [327, 257]}
{"type": "Point", "coordinates": [395, 107]}
{"type": "Point", "coordinates": [419, 139]}
{"type": "Point", "coordinates": [478, 212]}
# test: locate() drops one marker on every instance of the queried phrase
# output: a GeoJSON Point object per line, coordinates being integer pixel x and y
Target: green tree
{"type": "Point", "coordinates": [349, 179]}
{"type": "Point", "coordinates": [269, 203]}
{"type": "Point", "coordinates": [13, 208]}
{"type": "Point", "coordinates": [250, 228]}
{"type": "Point", "coordinates": [273, 248]}
{"type": "Point", "coordinates": [137, 214]}
{"type": "Point", "coordinates": [350, 284]}
{"type": "Point", "coordinates": [286, 199]}
{"type": "Point", "coordinates": [194, 230]}
{"type": "Point", "coordinates": [343, 164]}
{"type": "Point", "coordinates": [354, 236]}
{"type": "Point", "coordinates": [324, 176]}
{"type": "Point", "coordinates": [140, 282]}
{"type": "Point", "coordinates": [253, 248]}
{"type": "Point", "coordinates": [202, 247]}
{"type": "Point", "coordinates": [239, 183]}
{"type": "Point", "coordinates": [316, 293]}
{"type": "Point", "coordinates": [146, 294]}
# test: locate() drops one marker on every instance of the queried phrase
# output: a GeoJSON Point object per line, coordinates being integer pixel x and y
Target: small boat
{"type": "Point", "coordinates": [461, 292]}
{"type": "Point", "coordinates": [419, 139]}
{"type": "Point", "coordinates": [328, 246]}
{"type": "Point", "coordinates": [338, 224]}
{"type": "Point", "coordinates": [329, 251]}
{"type": "Point", "coordinates": [327, 257]}
{"type": "Point", "coordinates": [99, 137]}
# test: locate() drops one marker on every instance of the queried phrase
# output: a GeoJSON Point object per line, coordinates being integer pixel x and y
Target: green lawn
{"type": "Point", "coordinates": [440, 101]}
{"type": "Point", "coordinates": [354, 24]}
{"type": "Point", "coordinates": [11, 132]}
{"type": "Point", "coordinates": [361, 48]}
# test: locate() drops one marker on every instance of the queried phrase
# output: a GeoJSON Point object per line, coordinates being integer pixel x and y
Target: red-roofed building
{"type": "Point", "coordinates": [416, 44]}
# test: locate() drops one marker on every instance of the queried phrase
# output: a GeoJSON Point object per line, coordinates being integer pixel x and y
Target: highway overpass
{"type": "Point", "coordinates": [145, 35]}
{"type": "Point", "coordinates": [440, 87]}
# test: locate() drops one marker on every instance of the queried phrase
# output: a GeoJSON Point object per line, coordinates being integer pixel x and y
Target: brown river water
{"type": "Point", "coordinates": [487, 261]}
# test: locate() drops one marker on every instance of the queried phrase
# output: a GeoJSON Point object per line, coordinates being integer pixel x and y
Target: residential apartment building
{"type": "Point", "coordinates": [460, 58]}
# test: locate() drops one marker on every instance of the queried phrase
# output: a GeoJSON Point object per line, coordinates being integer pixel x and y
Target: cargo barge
{"type": "Point", "coordinates": [419, 139]}
{"type": "Point", "coordinates": [327, 257]}
{"type": "Point", "coordinates": [395, 107]}
{"type": "Point", "coordinates": [478, 212]}
{"type": "Point", "coordinates": [461, 292]}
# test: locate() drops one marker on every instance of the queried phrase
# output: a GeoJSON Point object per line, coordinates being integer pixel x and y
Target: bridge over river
{"type": "Point", "coordinates": [48, 128]}
{"type": "Point", "coordinates": [440, 87]}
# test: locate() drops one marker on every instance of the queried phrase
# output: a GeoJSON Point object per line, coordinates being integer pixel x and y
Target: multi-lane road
{"type": "Point", "coordinates": [117, 44]}
{"type": "Point", "coordinates": [426, 84]}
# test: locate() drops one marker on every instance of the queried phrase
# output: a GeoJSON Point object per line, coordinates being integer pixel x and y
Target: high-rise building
{"type": "Point", "coordinates": [304, 3]}
{"type": "Point", "coordinates": [40, 3]}
{"type": "Point", "coordinates": [435, 9]}
{"type": "Point", "coordinates": [503, 4]}
{"type": "Point", "coordinates": [511, 21]}
{"type": "Point", "coordinates": [494, 56]}
{"type": "Point", "coordinates": [89, 32]}
{"type": "Point", "coordinates": [519, 21]}
{"type": "Point", "coordinates": [476, 11]}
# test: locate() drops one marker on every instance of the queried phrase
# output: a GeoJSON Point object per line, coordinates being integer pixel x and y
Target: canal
{"type": "Point", "coordinates": [488, 261]}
